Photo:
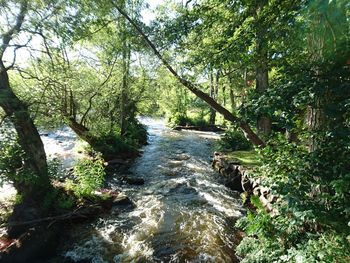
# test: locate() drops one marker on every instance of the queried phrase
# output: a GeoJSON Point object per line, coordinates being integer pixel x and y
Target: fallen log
{"type": "Point", "coordinates": [212, 128]}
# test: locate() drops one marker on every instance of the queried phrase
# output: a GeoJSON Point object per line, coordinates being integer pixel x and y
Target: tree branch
{"type": "Point", "coordinates": [248, 132]}
{"type": "Point", "coordinates": [8, 36]}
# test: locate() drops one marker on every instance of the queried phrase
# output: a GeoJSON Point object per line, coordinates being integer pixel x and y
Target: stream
{"type": "Point", "coordinates": [181, 213]}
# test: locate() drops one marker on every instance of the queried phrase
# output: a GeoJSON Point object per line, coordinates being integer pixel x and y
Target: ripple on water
{"type": "Point", "coordinates": [182, 214]}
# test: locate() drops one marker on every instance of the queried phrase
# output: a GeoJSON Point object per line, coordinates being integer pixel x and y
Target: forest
{"type": "Point", "coordinates": [149, 90]}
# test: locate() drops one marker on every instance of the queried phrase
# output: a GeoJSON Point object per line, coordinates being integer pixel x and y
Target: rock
{"type": "Point", "coordinates": [256, 191]}
{"type": "Point", "coordinates": [246, 183]}
{"type": "Point", "coordinates": [121, 199]}
{"type": "Point", "coordinates": [264, 190]}
{"type": "Point", "coordinates": [234, 183]}
{"type": "Point", "coordinates": [115, 162]}
{"type": "Point", "coordinates": [235, 162]}
{"type": "Point", "coordinates": [182, 157]}
{"type": "Point", "coordinates": [134, 181]}
{"type": "Point", "coordinates": [173, 164]}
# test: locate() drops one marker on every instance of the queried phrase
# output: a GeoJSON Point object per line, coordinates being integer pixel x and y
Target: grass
{"type": "Point", "coordinates": [247, 158]}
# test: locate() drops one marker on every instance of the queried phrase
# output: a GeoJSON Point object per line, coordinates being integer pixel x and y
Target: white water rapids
{"type": "Point", "coordinates": [181, 214]}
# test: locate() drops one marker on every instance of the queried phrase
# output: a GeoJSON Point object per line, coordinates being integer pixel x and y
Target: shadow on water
{"type": "Point", "coordinates": [181, 214]}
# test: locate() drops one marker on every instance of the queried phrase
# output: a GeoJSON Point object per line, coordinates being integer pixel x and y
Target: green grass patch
{"type": "Point", "coordinates": [246, 158]}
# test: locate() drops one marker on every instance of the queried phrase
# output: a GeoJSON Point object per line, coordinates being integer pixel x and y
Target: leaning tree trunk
{"type": "Point", "coordinates": [29, 140]}
{"type": "Point", "coordinates": [248, 132]}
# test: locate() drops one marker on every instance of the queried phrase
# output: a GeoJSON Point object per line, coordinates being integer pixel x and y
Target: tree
{"type": "Point", "coordinates": [249, 133]}
{"type": "Point", "coordinates": [17, 112]}
{"type": "Point", "coordinates": [262, 68]}
{"type": "Point", "coordinates": [86, 83]}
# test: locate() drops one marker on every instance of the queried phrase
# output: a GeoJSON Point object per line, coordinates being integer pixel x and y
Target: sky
{"type": "Point", "coordinates": [148, 14]}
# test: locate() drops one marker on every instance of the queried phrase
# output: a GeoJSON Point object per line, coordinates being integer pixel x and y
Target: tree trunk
{"type": "Point", "coordinates": [315, 122]}
{"type": "Point", "coordinates": [125, 80]}
{"type": "Point", "coordinates": [82, 132]}
{"type": "Point", "coordinates": [232, 99]}
{"type": "Point", "coordinates": [262, 78]}
{"type": "Point", "coordinates": [29, 140]}
{"type": "Point", "coordinates": [213, 95]}
{"type": "Point", "coordinates": [249, 133]}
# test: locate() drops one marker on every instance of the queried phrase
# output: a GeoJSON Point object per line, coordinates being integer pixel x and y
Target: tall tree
{"type": "Point", "coordinates": [262, 68]}
{"type": "Point", "coordinates": [327, 43]}
{"type": "Point", "coordinates": [249, 133]}
{"type": "Point", "coordinates": [17, 111]}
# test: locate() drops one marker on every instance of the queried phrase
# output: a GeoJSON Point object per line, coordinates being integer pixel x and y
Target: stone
{"type": "Point", "coordinates": [134, 180]}
{"type": "Point", "coordinates": [173, 164]}
{"type": "Point", "coordinates": [121, 199]}
{"type": "Point", "coordinates": [115, 162]}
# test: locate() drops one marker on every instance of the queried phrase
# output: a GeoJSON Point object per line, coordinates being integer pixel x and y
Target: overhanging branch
{"type": "Point", "coordinates": [248, 132]}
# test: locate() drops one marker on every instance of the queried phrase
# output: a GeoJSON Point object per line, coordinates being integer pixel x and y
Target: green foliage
{"type": "Point", "coordinates": [113, 145]}
{"type": "Point", "coordinates": [65, 202]}
{"type": "Point", "coordinates": [89, 176]}
{"type": "Point", "coordinates": [310, 222]}
{"type": "Point", "coordinates": [234, 140]}
{"type": "Point", "coordinates": [136, 134]}
{"type": "Point", "coordinates": [179, 119]}
{"type": "Point", "coordinates": [13, 161]}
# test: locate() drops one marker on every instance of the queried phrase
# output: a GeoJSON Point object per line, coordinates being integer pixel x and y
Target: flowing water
{"type": "Point", "coordinates": [181, 213]}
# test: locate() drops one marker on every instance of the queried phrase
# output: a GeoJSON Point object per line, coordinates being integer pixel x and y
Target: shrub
{"type": "Point", "coordinates": [178, 119]}
{"type": "Point", "coordinates": [310, 223]}
{"type": "Point", "coordinates": [112, 145]}
{"type": "Point", "coordinates": [234, 141]}
{"type": "Point", "coordinates": [136, 134]}
{"type": "Point", "coordinates": [89, 176]}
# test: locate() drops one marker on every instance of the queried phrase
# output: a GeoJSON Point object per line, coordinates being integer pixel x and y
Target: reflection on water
{"type": "Point", "coordinates": [182, 214]}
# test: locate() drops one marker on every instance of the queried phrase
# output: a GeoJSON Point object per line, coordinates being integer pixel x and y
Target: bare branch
{"type": "Point", "coordinates": [8, 36]}
{"type": "Point", "coordinates": [88, 109]}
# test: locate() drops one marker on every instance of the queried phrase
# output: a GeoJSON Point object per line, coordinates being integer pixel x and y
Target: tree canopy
{"type": "Point", "coordinates": [275, 71]}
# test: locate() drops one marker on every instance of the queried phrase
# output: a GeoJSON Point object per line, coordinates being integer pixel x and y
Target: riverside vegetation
{"type": "Point", "coordinates": [274, 74]}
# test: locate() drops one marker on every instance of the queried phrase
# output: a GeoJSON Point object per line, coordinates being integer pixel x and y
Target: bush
{"type": "Point", "coordinates": [179, 119]}
{"type": "Point", "coordinates": [136, 134]}
{"type": "Point", "coordinates": [112, 145]}
{"type": "Point", "coordinates": [310, 223]}
{"type": "Point", "coordinates": [234, 141]}
{"type": "Point", "coordinates": [89, 176]}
